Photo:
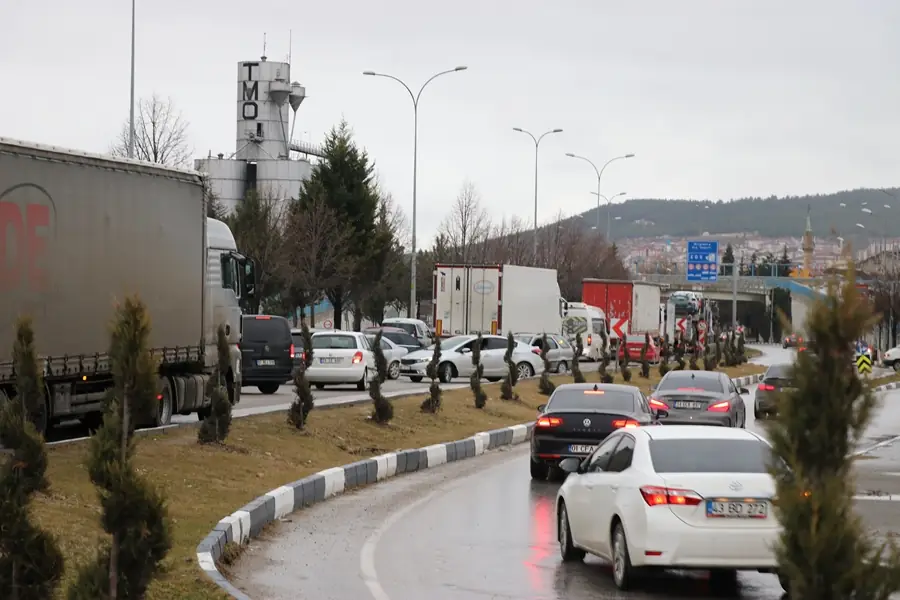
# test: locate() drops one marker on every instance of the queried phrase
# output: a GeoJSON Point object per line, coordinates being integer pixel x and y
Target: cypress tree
{"type": "Point", "coordinates": [507, 388]}
{"type": "Point", "coordinates": [577, 375]}
{"type": "Point", "coordinates": [645, 365]}
{"type": "Point", "coordinates": [215, 427]}
{"type": "Point", "coordinates": [545, 386]}
{"type": "Point", "coordinates": [432, 404]}
{"type": "Point", "coordinates": [477, 374]}
{"type": "Point", "coordinates": [383, 409]}
{"type": "Point", "coordinates": [304, 402]}
{"type": "Point", "coordinates": [626, 358]}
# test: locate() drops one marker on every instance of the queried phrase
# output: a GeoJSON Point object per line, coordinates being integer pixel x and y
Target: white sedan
{"type": "Point", "coordinates": [341, 357]}
{"type": "Point", "coordinates": [672, 497]}
{"type": "Point", "coordinates": [456, 359]}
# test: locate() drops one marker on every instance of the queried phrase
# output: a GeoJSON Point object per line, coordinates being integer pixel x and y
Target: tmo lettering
{"type": "Point", "coordinates": [25, 229]}
{"type": "Point", "coordinates": [249, 93]}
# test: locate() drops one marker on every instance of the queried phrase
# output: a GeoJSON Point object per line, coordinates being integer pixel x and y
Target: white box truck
{"type": "Point", "coordinates": [495, 299]}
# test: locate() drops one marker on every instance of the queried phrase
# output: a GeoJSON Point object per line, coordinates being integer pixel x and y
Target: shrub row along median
{"type": "Point", "coordinates": [205, 483]}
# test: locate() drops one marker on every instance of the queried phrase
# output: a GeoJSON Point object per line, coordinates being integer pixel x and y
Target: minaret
{"type": "Point", "coordinates": [808, 245]}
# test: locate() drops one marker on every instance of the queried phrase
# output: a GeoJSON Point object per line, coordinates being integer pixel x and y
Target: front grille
{"type": "Point", "coordinates": [408, 361]}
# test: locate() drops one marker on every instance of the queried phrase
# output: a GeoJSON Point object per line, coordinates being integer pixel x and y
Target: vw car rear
{"type": "Point", "coordinates": [267, 352]}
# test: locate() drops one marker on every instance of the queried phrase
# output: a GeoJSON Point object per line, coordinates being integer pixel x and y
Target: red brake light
{"type": "Point", "coordinates": [292, 351]}
{"type": "Point", "coordinates": [626, 423]}
{"type": "Point", "coordinates": [549, 422]}
{"type": "Point", "coordinates": [766, 387]}
{"type": "Point", "coordinates": [656, 496]}
{"type": "Point", "coordinates": [303, 356]}
{"type": "Point", "coordinates": [263, 317]}
{"type": "Point", "coordinates": [590, 339]}
{"type": "Point", "coordinates": [357, 358]}
{"type": "Point", "coordinates": [801, 349]}
{"type": "Point", "coordinates": [658, 404]}
{"type": "Point", "coordinates": [720, 406]}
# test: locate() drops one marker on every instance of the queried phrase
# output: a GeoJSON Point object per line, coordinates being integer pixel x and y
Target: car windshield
{"type": "Point", "coordinates": [452, 343]}
{"type": "Point", "coordinates": [265, 329]}
{"type": "Point", "coordinates": [575, 399]}
{"type": "Point", "coordinates": [779, 372]}
{"type": "Point", "coordinates": [409, 328]}
{"type": "Point", "coordinates": [525, 339]}
{"type": "Point", "coordinates": [710, 456]}
{"type": "Point", "coordinates": [334, 342]}
{"type": "Point", "coordinates": [687, 382]}
{"type": "Point", "coordinates": [597, 326]}
{"type": "Point", "coordinates": [298, 340]}
{"type": "Point", "coordinates": [404, 339]}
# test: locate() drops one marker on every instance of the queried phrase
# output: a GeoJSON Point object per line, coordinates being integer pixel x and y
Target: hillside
{"type": "Point", "coordinates": [767, 217]}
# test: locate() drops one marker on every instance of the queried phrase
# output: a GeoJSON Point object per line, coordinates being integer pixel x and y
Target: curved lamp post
{"type": "Point", "coordinates": [537, 143]}
{"type": "Point", "coordinates": [599, 173]}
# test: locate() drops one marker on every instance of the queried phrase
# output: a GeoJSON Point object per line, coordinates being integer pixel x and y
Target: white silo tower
{"type": "Point", "coordinates": [262, 158]}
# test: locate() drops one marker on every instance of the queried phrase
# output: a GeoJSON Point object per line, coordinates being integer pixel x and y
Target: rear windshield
{"type": "Point", "coordinates": [269, 329]}
{"type": "Point", "coordinates": [710, 456]}
{"type": "Point", "coordinates": [404, 339]}
{"type": "Point", "coordinates": [589, 399]}
{"type": "Point", "coordinates": [334, 342]}
{"type": "Point", "coordinates": [525, 339]}
{"type": "Point", "coordinates": [410, 328]}
{"type": "Point", "coordinates": [298, 340]}
{"type": "Point", "coordinates": [779, 372]}
{"type": "Point", "coordinates": [683, 381]}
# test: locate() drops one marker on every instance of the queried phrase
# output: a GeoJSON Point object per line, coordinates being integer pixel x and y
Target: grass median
{"type": "Point", "coordinates": [204, 484]}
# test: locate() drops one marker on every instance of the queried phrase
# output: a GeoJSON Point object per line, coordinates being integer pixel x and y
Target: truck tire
{"type": "Point", "coordinates": [165, 407]}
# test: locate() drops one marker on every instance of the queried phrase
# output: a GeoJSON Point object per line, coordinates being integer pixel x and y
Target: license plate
{"type": "Point", "coordinates": [266, 363]}
{"type": "Point", "coordinates": [329, 361]}
{"type": "Point", "coordinates": [734, 509]}
{"type": "Point", "coordinates": [688, 405]}
{"type": "Point", "coordinates": [578, 449]}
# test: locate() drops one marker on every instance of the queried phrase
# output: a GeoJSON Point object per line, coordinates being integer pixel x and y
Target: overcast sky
{"type": "Point", "coordinates": [718, 99]}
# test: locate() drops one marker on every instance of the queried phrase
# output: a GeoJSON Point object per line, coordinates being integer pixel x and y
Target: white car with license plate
{"type": "Point", "coordinates": [456, 359]}
{"type": "Point", "coordinates": [672, 497]}
{"type": "Point", "coordinates": [341, 357]}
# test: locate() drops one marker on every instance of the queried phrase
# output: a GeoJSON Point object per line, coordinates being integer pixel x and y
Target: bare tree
{"type": "Point", "coordinates": [467, 225]}
{"type": "Point", "coordinates": [160, 134]}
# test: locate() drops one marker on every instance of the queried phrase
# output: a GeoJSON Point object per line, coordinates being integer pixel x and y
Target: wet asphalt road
{"type": "Point", "coordinates": [473, 529]}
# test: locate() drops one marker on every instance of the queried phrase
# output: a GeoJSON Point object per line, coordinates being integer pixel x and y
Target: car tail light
{"type": "Point", "coordinates": [303, 356]}
{"type": "Point", "coordinates": [546, 422]}
{"type": "Point", "coordinates": [590, 339]}
{"type": "Point", "coordinates": [801, 348]}
{"type": "Point", "coordinates": [766, 387]}
{"type": "Point", "coordinates": [263, 317]}
{"type": "Point", "coordinates": [658, 404]}
{"type": "Point", "coordinates": [626, 423]}
{"type": "Point", "coordinates": [656, 496]}
{"type": "Point", "coordinates": [357, 358]}
{"type": "Point", "coordinates": [292, 351]}
{"type": "Point", "coordinates": [720, 406]}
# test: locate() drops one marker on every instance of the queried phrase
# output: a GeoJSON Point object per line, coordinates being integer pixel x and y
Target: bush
{"type": "Point", "coordinates": [679, 356]}
{"type": "Point", "coordinates": [507, 388]}
{"type": "Point", "coordinates": [577, 375]}
{"type": "Point", "coordinates": [477, 374]}
{"type": "Point", "coordinates": [31, 563]}
{"type": "Point", "coordinates": [664, 356]}
{"type": "Point", "coordinates": [604, 358]}
{"type": "Point", "coordinates": [304, 402]}
{"type": "Point", "coordinates": [718, 348]}
{"type": "Point", "coordinates": [708, 362]}
{"type": "Point", "coordinates": [432, 403]}
{"type": "Point", "coordinates": [383, 410]}
{"type": "Point", "coordinates": [134, 513]}
{"type": "Point", "coordinates": [215, 427]}
{"type": "Point", "coordinates": [692, 361]}
{"type": "Point", "coordinates": [824, 552]}
{"type": "Point", "coordinates": [741, 351]}
{"type": "Point", "coordinates": [545, 386]}
{"type": "Point", "coordinates": [645, 365]}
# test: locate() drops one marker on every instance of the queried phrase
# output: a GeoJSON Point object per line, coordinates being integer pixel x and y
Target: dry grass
{"type": "Point", "coordinates": [204, 484]}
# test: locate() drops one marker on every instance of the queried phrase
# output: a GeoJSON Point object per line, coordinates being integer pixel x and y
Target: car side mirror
{"type": "Point", "coordinates": [570, 465]}
{"type": "Point", "coordinates": [464, 350]}
{"type": "Point", "coordinates": [743, 391]}
{"type": "Point", "coordinates": [542, 407]}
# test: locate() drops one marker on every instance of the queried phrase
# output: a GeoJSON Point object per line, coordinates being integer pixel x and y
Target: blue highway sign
{"type": "Point", "coordinates": [703, 261]}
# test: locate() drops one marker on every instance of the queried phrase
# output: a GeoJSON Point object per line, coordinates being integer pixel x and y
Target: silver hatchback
{"type": "Point", "coordinates": [560, 352]}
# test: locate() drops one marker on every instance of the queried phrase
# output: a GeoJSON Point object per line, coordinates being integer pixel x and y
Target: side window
{"type": "Point", "coordinates": [643, 404]}
{"type": "Point", "coordinates": [621, 458]}
{"type": "Point", "coordinates": [494, 344]}
{"type": "Point", "coordinates": [730, 385]}
{"type": "Point", "coordinates": [229, 273]}
{"type": "Point", "coordinates": [420, 332]}
{"type": "Point", "coordinates": [385, 345]}
{"type": "Point", "coordinates": [563, 343]}
{"type": "Point", "coordinates": [363, 343]}
{"type": "Point", "coordinates": [551, 344]}
{"type": "Point", "coordinates": [599, 460]}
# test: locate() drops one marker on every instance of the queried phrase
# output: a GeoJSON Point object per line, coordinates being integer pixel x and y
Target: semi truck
{"type": "Point", "coordinates": [495, 299]}
{"type": "Point", "coordinates": [78, 233]}
{"type": "Point", "coordinates": [630, 306]}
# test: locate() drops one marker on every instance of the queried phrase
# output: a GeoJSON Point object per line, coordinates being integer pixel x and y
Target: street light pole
{"type": "Point", "coordinates": [608, 209]}
{"type": "Point", "coordinates": [599, 173]}
{"type": "Point", "coordinates": [411, 311]}
{"type": "Point", "coordinates": [537, 144]}
{"type": "Point", "coordinates": [131, 111]}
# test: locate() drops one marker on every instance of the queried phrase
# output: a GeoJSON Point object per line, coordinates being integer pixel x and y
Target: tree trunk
{"type": "Point", "coordinates": [338, 303]}
{"type": "Point", "coordinates": [357, 319]}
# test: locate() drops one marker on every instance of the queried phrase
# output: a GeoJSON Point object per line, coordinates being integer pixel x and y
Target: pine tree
{"type": "Point", "coordinates": [303, 403]}
{"type": "Point", "coordinates": [692, 359]}
{"type": "Point", "coordinates": [31, 563]}
{"type": "Point", "coordinates": [134, 512]}
{"type": "Point", "coordinates": [477, 374]}
{"type": "Point", "coordinates": [824, 553]}
{"type": "Point", "coordinates": [604, 358]}
{"type": "Point", "coordinates": [383, 410]}
{"type": "Point", "coordinates": [664, 356]}
{"type": "Point", "coordinates": [626, 359]}
{"type": "Point", "coordinates": [679, 357]}
{"type": "Point", "coordinates": [432, 404]}
{"type": "Point", "coordinates": [727, 259]}
{"type": "Point", "coordinates": [545, 385]}
{"type": "Point", "coordinates": [577, 375]}
{"type": "Point", "coordinates": [741, 351]}
{"type": "Point", "coordinates": [708, 362]}
{"type": "Point", "coordinates": [507, 388]}
{"type": "Point", "coordinates": [645, 364]}
{"type": "Point", "coordinates": [216, 425]}
{"type": "Point", "coordinates": [718, 347]}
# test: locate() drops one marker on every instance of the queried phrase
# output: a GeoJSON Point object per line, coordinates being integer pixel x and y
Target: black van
{"type": "Point", "coordinates": [267, 352]}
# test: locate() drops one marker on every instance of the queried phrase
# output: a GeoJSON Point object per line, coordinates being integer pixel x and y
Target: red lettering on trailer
{"type": "Point", "coordinates": [26, 225]}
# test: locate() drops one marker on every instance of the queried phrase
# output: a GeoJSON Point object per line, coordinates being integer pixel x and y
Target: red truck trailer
{"type": "Point", "coordinates": [630, 306]}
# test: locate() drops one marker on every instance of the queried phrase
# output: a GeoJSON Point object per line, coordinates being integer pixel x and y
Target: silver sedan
{"type": "Point", "coordinates": [456, 359]}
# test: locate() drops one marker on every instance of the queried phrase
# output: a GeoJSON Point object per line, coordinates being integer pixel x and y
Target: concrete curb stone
{"type": "Point", "coordinates": [247, 522]}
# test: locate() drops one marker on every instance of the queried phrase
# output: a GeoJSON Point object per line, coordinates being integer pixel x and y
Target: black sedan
{"type": "Point", "coordinates": [777, 379]}
{"type": "Point", "coordinates": [701, 397]}
{"type": "Point", "coordinates": [577, 417]}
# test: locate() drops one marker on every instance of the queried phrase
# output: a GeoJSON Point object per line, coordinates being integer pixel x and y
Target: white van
{"type": "Point", "coordinates": [414, 327]}
{"type": "Point", "coordinates": [590, 322]}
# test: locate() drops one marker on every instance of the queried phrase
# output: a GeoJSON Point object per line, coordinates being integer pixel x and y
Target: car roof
{"type": "Point", "coordinates": [696, 374]}
{"type": "Point", "coordinates": [697, 432]}
{"type": "Point", "coordinates": [612, 387]}
{"type": "Point", "coordinates": [299, 330]}
{"type": "Point", "coordinates": [336, 332]}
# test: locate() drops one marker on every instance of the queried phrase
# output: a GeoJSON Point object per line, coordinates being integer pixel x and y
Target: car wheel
{"type": "Point", "coordinates": [268, 388]}
{"type": "Point", "coordinates": [723, 580]}
{"type": "Point", "coordinates": [623, 572]}
{"type": "Point", "coordinates": [320, 386]}
{"type": "Point", "coordinates": [562, 367]}
{"type": "Point", "coordinates": [394, 370]}
{"type": "Point", "coordinates": [445, 372]}
{"type": "Point", "coordinates": [785, 583]}
{"type": "Point", "coordinates": [539, 470]}
{"type": "Point", "coordinates": [493, 379]}
{"type": "Point", "coordinates": [363, 384]}
{"type": "Point", "coordinates": [896, 366]}
{"type": "Point", "coordinates": [524, 370]}
{"type": "Point", "coordinates": [567, 549]}
{"type": "Point", "coordinates": [758, 415]}
{"type": "Point", "coordinates": [415, 379]}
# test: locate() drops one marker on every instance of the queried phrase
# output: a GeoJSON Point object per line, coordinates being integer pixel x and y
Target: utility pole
{"type": "Point", "coordinates": [735, 273]}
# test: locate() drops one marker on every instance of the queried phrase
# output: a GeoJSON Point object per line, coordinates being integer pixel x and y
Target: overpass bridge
{"type": "Point", "coordinates": [749, 288]}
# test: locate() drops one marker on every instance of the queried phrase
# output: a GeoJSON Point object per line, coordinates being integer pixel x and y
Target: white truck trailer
{"type": "Point", "coordinates": [79, 232]}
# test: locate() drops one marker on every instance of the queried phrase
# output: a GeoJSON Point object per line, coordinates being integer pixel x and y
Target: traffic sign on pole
{"type": "Point", "coordinates": [703, 261]}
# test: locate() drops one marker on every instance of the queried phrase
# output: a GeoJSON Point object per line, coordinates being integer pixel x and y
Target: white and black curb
{"type": "Point", "coordinates": [247, 523]}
